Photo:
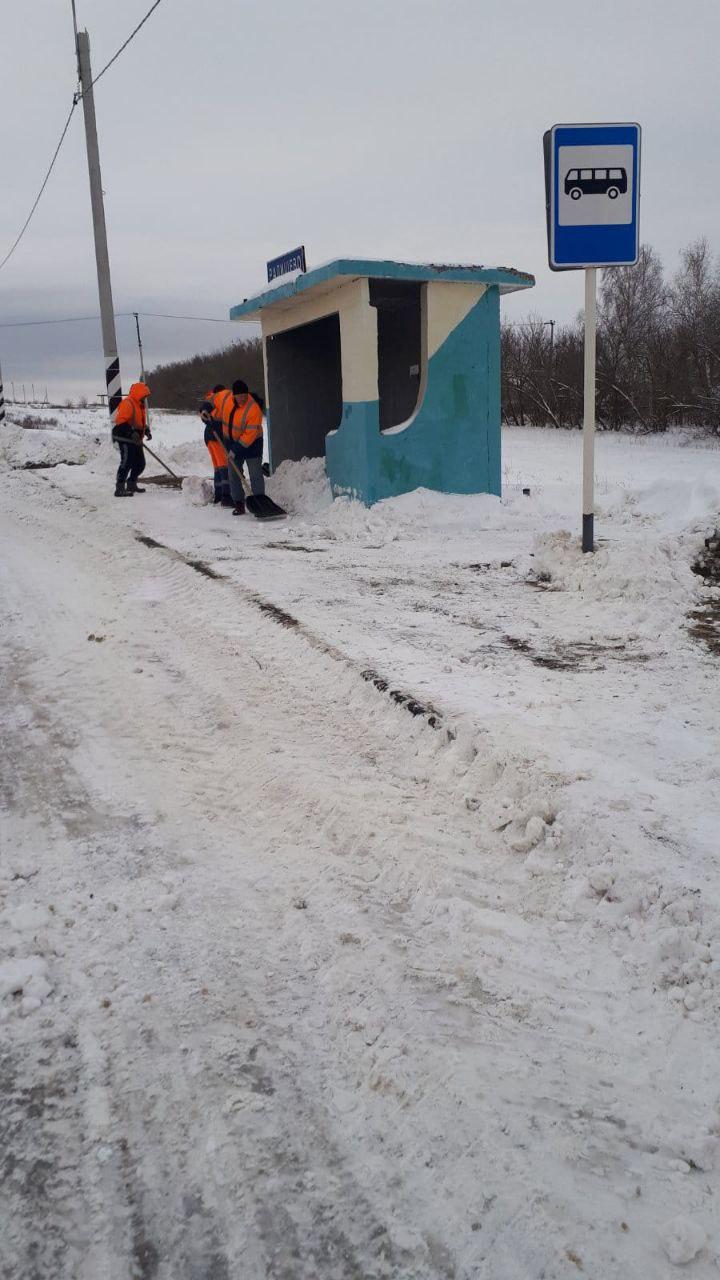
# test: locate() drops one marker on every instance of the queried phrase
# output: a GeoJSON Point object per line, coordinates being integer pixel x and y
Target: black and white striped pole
{"type": "Point", "coordinates": [107, 317]}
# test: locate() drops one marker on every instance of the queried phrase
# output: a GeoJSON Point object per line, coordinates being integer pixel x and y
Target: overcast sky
{"type": "Point", "coordinates": [411, 129]}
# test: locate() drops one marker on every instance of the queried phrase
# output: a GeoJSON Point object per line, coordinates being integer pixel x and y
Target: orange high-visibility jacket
{"type": "Point", "coordinates": [242, 422]}
{"type": "Point", "coordinates": [132, 409]}
{"type": "Point", "coordinates": [218, 400]}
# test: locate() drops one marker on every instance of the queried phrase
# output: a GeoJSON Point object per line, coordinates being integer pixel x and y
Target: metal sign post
{"type": "Point", "coordinates": [592, 199]}
{"type": "Point", "coordinates": [588, 511]}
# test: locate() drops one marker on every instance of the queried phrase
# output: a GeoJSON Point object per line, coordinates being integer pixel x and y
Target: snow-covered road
{"type": "Point", "coordinates": [297, 985]}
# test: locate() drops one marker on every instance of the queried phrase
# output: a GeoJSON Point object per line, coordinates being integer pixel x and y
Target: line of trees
{"type": "Point", "coordinates": [658, 352]}
{"type": "Point", "coordinates": [183, 383]}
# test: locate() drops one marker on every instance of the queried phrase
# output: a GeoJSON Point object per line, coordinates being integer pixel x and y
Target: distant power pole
{"type": "Point", "coordinates": [142, 360]}
{"type": "Point", "coordinates": [2, 402]}
{"type": "Point", "coordinates": [107, 317]}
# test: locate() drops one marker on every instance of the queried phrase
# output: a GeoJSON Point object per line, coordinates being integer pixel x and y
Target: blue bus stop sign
{"type": "Point", "coordinates": [592, 191]}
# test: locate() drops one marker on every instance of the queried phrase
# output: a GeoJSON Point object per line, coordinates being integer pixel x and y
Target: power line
{"type": "Point", "coordinates": [123, 46]}
{"type": "Point", "coordinates": [156, 315]}
{"type": "Point", "coordinates": [45, 182]}
{"type": "Point", "coordinates": [159, 315]}
{"type": "Point", "coordinates": [77, 98]}
{"type": "Point", "coordinates": [25, 324]}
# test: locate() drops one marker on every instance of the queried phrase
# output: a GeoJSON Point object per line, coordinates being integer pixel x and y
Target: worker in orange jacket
{"type": "Point", "coordinates": [218, 454]}
{"type": "Point", "coordinates": [131, 425]}
{"type": "Point", "coordinates": [241, 420]}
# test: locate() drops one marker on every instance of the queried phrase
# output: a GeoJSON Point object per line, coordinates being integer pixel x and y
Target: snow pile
{"type": "Point", "coordinates": [504, 790]}
{"type": "Point", "coordinates": [302, 487]}
{"type": "Point", "coordinates": [644, 572]}
{"type": "Point", "coordinates": [682, 1239]}
{"type": "Point", "coordinates": [670, 503]}
{"type": "Point", "coordinates": [41, 447]}
{"type": "Point", "coordinates": [198, 491]}
{"type": "Point", "coordinates": [24, 981]}
{"type": "Point", "coordinates": [189, 455]}
{"type": "Point", "coordinates": [673, 931]}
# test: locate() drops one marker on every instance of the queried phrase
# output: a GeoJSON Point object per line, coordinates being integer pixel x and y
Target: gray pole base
{"type": "Point", "coordinates": [588, 534]}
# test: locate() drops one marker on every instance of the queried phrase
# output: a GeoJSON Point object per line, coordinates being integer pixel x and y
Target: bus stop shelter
{"type": "Point", "coordinates": [388, 370]}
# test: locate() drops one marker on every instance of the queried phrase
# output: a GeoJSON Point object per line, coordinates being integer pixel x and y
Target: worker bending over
{"type": "Point", "coordinates": [217, 451]}
{"type": "Point", "coordinates": [131, 425]}
{"type": "Point", "coordinates": [242, 435]}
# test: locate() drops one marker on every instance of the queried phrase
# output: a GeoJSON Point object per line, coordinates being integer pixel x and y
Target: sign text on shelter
{"type": "Point", "coordinates": [286, 263]}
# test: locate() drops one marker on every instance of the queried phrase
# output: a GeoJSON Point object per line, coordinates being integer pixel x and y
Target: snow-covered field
{"type": "Point", "coordinates": [295, 983]}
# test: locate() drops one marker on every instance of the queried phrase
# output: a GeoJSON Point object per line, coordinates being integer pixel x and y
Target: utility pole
{"type": "Point", "coordinates": [142, 362]}
{"type": "Point", "coordinates": [107, 317]}
{"type": "Point", "coordinates": [2, 402]}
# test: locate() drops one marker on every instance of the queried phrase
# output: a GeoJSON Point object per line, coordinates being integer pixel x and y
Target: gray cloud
{"type": "Point", "coordinates": [397, 128]}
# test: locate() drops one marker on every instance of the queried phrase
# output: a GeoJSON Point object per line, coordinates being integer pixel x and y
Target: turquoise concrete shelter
{"type": "Point", "coordinates": [388, 370]}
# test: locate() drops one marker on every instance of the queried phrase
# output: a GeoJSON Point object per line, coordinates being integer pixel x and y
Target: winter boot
{"type": "Point", "coordinates": [239, 508]}
{"type": "Point", "coordinates": [133, 487]}
{"type": "Point", "coordinates": [122, 492]}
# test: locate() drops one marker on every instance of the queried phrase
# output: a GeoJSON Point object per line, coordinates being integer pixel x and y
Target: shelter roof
{"type": "Point", "coordinates": [328, 277]}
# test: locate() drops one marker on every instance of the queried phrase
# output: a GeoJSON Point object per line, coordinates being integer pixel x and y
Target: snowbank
{"type": "Point", "coordinates": [618, 571]}
{"type": "Point", "coordinates": [46, 448]}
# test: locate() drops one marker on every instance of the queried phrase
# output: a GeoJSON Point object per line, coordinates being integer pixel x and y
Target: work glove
{"type": "Point", "coordinates": [148, 433]}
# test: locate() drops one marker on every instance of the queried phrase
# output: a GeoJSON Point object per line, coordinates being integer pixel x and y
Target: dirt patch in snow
{"type": "Point", "coordinates": [164, 482]}
{"type": "Point", "coordinates": [579, 656]}
{"type": "Point", "coordinates": [705, 625]}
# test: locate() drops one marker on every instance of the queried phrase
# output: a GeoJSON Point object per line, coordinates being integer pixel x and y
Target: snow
{"type": "Point", "coordinates": [682, 1239]}
{"type": "Point", "coordinates": [296, 983]}
{"type": "Point", "coordinates": [197, 491]}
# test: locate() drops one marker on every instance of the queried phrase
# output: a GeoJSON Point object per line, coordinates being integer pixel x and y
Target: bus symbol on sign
{"type": "Point", "coordinates": [592, 193]}
{"type": "Point", "coordinates": [591, 182]}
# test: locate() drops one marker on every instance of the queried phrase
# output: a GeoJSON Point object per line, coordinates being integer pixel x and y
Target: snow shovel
{"type": "Point", "coordinates": [178, 479]}
{"type": "Point", "coordinates": [262, 507]}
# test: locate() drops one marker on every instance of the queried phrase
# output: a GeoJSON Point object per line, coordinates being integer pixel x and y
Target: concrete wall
{"type": "Point", "coordinates": [452, 440]}
{"type": "Point", "coordinates": [358, 332]}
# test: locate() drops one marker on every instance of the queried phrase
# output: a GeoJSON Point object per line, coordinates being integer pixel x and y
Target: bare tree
{"type": "Point", "coordinates": [658, 352]}
{"type": "Point", "coordinates": [695, 300]}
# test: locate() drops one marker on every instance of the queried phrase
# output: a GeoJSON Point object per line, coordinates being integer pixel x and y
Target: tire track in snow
{"type": "Point", "coordinates": [416, 708]}
{"type": "Point", "coordinates": [405, 1040]}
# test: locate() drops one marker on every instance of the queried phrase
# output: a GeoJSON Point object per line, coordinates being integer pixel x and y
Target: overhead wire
{"type": "Point", "coordinates": [160, 315]}
{"type": "Point", "coordinates": [122, 47]}
{"type": "Point", "coordinates": [56, 153]}
{"type": "Point", "coordinates": [119, 315]}
{"type": "Point", "coordinates": [76, 98]}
